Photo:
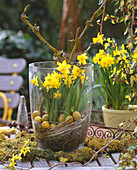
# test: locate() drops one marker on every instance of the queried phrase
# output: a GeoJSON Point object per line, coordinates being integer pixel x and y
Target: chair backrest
{"type": "Point", "coordinates": [10, 81]}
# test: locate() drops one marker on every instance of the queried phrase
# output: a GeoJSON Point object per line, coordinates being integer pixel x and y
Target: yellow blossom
{"type": "Point", "coordinates": [52, 81]}
{"type": "Point", "coordinates": [63, 67]}
{"type": "Point", "coordinates": [55, 84]}
{"type": "Point", "coordinates": [128, 97]}
{"type": "Point", "coordinates": [136, 39]}
{"type": "Point", "coordinates": [135, 56]}
{"type": "Point", "coordinates": [48, 80]}
{"type": "Point", "coordinates": [130, 46]}
{"type": "Point", "coordinates": [56, 75]}
{"type": "Point", "coordinates": [13, 160]}
{"type": "Point", "coordinates": [57, 95]}
{"type": "Point", "coordinates": [76, 72]}
{"type": "Point", "coordinates": [106, 45]}
{"type": "Point", "coordinates": [104, 62]}
{"type": "Point", "coordinates": [68, 80]}
{"type": "Point", "coordinates": [12, 165]}
{"type": "Point", "coordinates": [34, 80]}
{"type": "Point", "coordinates": [110, 60]}
{"type": "Point", "coordinates": [19, 156]}
{"type": "Point", "coordinates": [123, 50]}
{"type": "Point", "coordinates": [26, 149]}
{"type": "Point", "coordinates": [96, 59]}
{"type": "Point", "coordinates": [98, 39]}
{"type": "Point", "coordinates": [82, 58]}
{"type": "Point", "coordinates": [109, 40]}
{"type": "Point", "coordinates": [116, 52]}
{"type": "Point", "coordinates": [82, 78]}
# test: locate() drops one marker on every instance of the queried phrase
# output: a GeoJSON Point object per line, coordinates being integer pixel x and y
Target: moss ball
{"type": "Point", "coordinates": [76, 115]}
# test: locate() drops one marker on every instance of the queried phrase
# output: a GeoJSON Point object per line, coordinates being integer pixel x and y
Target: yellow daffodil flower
{"type": "Point", "coordinates": [52, 80]}
{"type": "Point", "coordinates": [76, 72]}
{"type": "Point", "coordinates": [56, 75]}
{"type": "Point", "coordinates": [34, 80]}
{"type": "Point", "coordinates": [63, 67]}
{"type": "Point", "coordinates": [57, 95]}
{"type": "Point", "coordinates": [104, 62]}
{"type": "Point", "coordinates": [96, 59]}
{"type": "Point", "coordinates": [82, 78]}
{"type": "Point", "coordinates": [68, 80]}
{"type": "Point", "coordinates": [82, 58]}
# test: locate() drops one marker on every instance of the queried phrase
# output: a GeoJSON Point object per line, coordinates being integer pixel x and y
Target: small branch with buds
{"type": "Point", "coordinates": [35, 29]}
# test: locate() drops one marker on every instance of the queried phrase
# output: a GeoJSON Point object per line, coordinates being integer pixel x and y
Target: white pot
{"type": "Point", "coordinates": [112, 118]}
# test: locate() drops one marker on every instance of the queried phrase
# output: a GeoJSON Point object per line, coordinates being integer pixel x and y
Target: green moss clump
{"type": "Point", "coordinates": [97, 143]}
{"type": "Point", "coordinates": [80, 155]}
{"type": "Point", "coordinates": [38, 153]}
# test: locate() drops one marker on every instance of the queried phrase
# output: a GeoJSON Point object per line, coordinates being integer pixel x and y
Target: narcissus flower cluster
{"type": "Point", "coordinates": [62, 91]}
{"type": "Point", "coordinates": [64, 74]}
{"type": "Point", "coordinates": [118, 71]}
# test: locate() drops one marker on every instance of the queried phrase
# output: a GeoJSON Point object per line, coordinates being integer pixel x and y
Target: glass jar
{"type": "Point", "coordinates": [60, 102]}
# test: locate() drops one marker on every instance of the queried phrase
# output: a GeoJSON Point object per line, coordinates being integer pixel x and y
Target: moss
{"type": "Point", "coordinates": [8, 131]}
{"type": "Point", "coordinates": [79, 155]}
{"type": "Point", "coordinates": [38, 153]}
{"type": "Point", "coordinates": [115, 146]}
{"type": "Point", "coordinates": [7, 143]}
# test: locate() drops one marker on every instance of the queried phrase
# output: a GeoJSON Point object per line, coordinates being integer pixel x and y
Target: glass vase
{"type": "Point", "coordinates": [60, 102]}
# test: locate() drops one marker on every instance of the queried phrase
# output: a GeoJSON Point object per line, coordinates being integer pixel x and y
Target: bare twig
{"type": "Point", "coordinates": [68, 163]}
{"type": "Point", "coordinates": [132, 22]}
{"type": "Point", "coordinates": [88, 24]}
{"type": "Point", "coordinates": [101, 25]}
{"type": "Point", "coordinates": [110, 141]}
{"type": "Point", "coordinates": [90, 45]}
{"type": "Point", "coordinates": [35, 29]}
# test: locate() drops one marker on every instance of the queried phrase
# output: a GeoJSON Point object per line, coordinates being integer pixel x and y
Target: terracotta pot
{"type": "Point", "coordinates": [112, 118]}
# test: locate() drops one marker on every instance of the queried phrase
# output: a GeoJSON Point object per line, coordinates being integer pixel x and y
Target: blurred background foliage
{"type": "Point", "coordinates": [18, 41]}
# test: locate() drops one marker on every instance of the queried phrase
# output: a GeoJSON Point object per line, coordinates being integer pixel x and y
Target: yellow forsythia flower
{"type": "Point", "coordinates": [98, 39]}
